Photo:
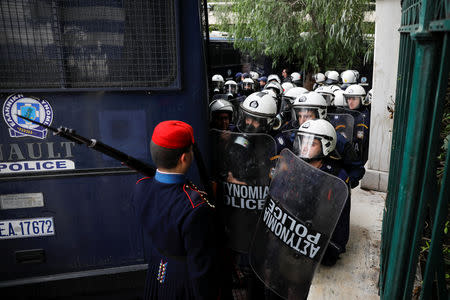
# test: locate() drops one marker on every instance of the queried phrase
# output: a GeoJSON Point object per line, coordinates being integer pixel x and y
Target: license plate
{"type": "Point", "coordinates": [25, 228]}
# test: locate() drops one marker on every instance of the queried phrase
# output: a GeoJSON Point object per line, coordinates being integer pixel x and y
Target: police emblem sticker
{"type": "Point", "coordinates": [36, 109]}
{"type": "Point", "coordinates": [254, 104]}
{"type": "Point", "coordinates": [360, 134]}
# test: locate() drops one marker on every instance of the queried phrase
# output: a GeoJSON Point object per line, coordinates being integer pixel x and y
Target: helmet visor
{"type": "Point", "coordinates": [248, 85]}
{"type": "Point", "coordinates": [308, 146]}
{"type": "Point", "coordinates": [353, 102]}
{"type": "Point", "coordinates": [252, 124]}
{"type": "Point", "coordinates": [218, 85]}
{"type": "Point", "coordinates": [305, 113]}
{"type": "Point", "coordinates": [286, 104]}
{"type": "Point", "coordinates": [230, 88]}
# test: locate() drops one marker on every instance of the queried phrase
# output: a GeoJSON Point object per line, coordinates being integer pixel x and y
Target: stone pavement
{"type": "Point", "coordinates": [355, 275]}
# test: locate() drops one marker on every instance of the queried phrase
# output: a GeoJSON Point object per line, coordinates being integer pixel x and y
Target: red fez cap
{"type": "Point", "coordinates": [173, 134]}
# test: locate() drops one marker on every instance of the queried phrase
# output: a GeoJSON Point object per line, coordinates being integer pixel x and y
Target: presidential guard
{"type": "Point", "coordinates": [178, 222]}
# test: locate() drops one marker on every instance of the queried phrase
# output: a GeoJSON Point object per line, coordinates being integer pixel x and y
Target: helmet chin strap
{"type": "Point", "coordinates": [313, 159]}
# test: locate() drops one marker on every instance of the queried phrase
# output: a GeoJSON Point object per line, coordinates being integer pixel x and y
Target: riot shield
{"type": "Point", "coordinates": [343, 123]}
{"type": "Point", "coordinates": [242, 164]}
{"type": "Point", "coordinates": [295, 226]}
{"type": "Point", "coordinates": [354, 113]}
{"type": "Point", "coordinates": [360, 131]}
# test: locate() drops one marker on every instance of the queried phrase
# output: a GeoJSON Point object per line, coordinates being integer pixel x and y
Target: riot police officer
{"type": "Point", "coordinates": [257, 113]}
{"type": "Point", "coordinates": [312, 105]}
{"type": "Point", "coordinates": [355, 97]}
{"type": "Point", "coordinates": [248, 87]}
{"type": "Point", "coordinates": [296, 79]}
{"type": "Point", "coordinates": [315, 141]}
{"type": "Point", "coordinates": [276, 91]}
{"type": "Point", "coordinates": [231, 88]}
{"type": "Point", "coordinates": [273, 77]}
{"type": "Point", "coordinates": [221, 114]}
{"type": "Point", "coordinates": [332, 77]}
{"type": "Point", "coordinates": [319, 80]}
{"type": "Point", "coordinates": [217, 81]}
{"type": "Point", "coordinates": [248, 163]}
{"type": "Point", "coordinates": [348, 77]}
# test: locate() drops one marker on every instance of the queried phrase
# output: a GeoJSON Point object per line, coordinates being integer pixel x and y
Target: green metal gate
{"type": "Point", "coordinates": [413, 190]}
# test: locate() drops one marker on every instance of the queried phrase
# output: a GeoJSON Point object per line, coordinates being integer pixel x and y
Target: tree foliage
{"type": "Point", "coordinates": [313, 34]}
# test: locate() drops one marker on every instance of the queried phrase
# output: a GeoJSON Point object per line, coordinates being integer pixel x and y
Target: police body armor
{"type": "Point", "coordinates": [343, 124]}
{"type": "Point", "coordinates": [295, 226]}
{"type": "Point", "coordinates": [242, 164]}
{"type": "Point", "coordinates": [360, 131]}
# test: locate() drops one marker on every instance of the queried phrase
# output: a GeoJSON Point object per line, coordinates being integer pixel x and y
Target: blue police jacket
{"type": "Point", "coordinates": [361, 134]}
{"type": "Point", "coordinates": [178, 223]}
{"type": "Point", "coordinates": [341, 232]}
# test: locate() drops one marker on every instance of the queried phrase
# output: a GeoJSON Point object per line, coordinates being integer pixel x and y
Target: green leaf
{"type": "Point", "coordinates": [315, 34]}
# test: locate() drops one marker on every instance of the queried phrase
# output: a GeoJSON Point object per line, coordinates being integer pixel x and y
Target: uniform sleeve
{"type": "Point", "coordinates": [350, 161]}
{"type": "Point", "coordinates": [341, 232]}
{"type": "Point", "coordinates": [200, 240]}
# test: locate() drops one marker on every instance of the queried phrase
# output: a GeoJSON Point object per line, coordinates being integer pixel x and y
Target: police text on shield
{"type": "Point", "coordinates": [291, 232]}
{"type": "Point", "coordinates": [244, 196]}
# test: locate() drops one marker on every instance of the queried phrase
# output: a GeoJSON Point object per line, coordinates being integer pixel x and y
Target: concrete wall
{"type": "Point", "coordinates": [387, 40]}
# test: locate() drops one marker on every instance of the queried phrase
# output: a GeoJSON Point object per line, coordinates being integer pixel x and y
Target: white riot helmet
{"type": "Point", "coordinates": [273, 77]}
{"type": "Point", "coordinates": [327, 93]}
{"type": "Point", "coordinates": [339, 100]}
{"type": "Point", "coordinates": [217, 81]}
{"type": "Point", "coordinates": [352, 93]}
{"type": "Point", "coordinates": [248, 86]}
{"type": "Point", "coordinates": [294, 93]}
{"type": "Point", "coordinates": [231, 87]}
{"type": "Point", "coordinates": [310, 105]}
{"type": "Point", "coordinates": [332, 77]}
{"type": "Point", "coordinates": [368, 98]}
{"type": "Point", "coordinates": [254, 75]}
{"type": "Point", "coordinates": [319, 78]}
{"type": "Point", "coordinates": [348, 76]}
{"type": "Point", "coordinates": [257, 113]}
{"type": "Point", "coordinates": [275, 86]}
{"type": "Point", "coordinates": [271, 92]}
{"type": "Point", "coordinates": [296, 78]}
{"type": "Point", "coordinates": [315, 139]}
{"type": "Point", "coordinates": [334, 88]}
{"type": "Point", "coordinates": [220, 105]}
{"type": "Point", "coordinates": [286, 86]}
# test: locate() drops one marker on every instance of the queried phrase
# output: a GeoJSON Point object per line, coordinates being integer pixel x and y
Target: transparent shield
{"type": "Point", "coordinates": [242, 166]}
{"type": "Point", "coordinates": [359, 130]}
{"type": "Point", "coordinates": [295, 226]}
{"type": "Point", "coordinates": [343, 124]}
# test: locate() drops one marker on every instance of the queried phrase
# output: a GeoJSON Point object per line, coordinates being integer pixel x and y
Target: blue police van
{"type": "Point", "coordinates": [112, 70]}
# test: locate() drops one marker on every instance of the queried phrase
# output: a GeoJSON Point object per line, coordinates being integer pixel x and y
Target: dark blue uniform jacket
{"type": "Point", "coordinates": [361, 134]}
{"type": "Point", "coordinates": [182, 252]}
{"type": "Point", "coordinates": [341, 233]}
